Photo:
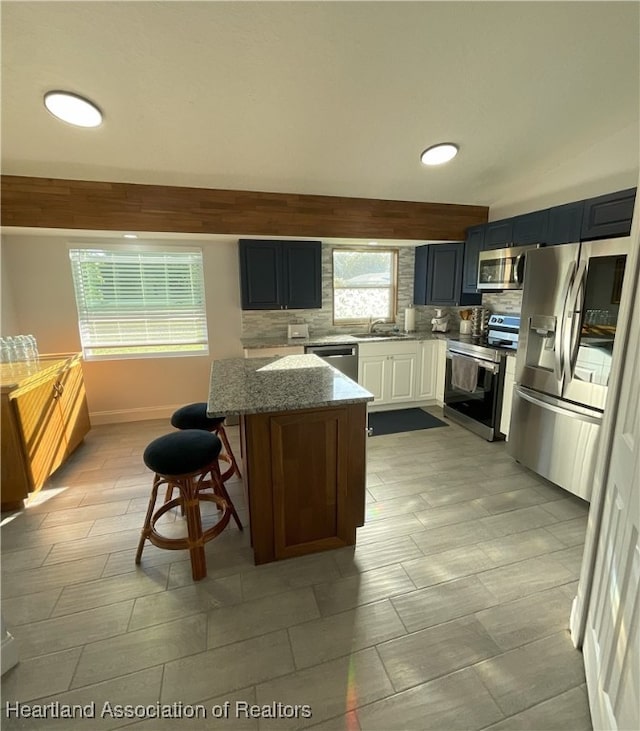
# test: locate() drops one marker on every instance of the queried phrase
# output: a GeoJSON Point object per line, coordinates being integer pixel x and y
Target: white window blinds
{"type": "Point", "coordinates": [139, 303]}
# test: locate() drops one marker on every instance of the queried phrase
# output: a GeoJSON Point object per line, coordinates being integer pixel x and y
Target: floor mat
{"type": "Point", "coordinates": [392, 422]}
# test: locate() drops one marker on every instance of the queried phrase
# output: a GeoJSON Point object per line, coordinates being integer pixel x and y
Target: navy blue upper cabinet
{"type": "Point", "coordinates": [530, 228]}
{"type": "Point", "coordinates": [473, 245]}
{"type": "Point", "coordinates": [608, 216]}
{"type": "Point", "coordinates": [438, 276]}
{"type": "Point", "coordinates": [276, 275]}
{"type": "Point", "coordinates": [565, 223]}
{"type": "Point", "coordinates": [302, 266]}
{"type": "Point", "coordinates": [498, 234]}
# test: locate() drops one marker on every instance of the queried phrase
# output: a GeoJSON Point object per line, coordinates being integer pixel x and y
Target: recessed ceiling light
{"type": "Point", "coordinates": [439, 154]}
{"type": "Point", "coordinates": [73, 109]}
{"type": "Point", "coordinates": [130, 236]}
{"type": "Point", "coordinates": [373, 243]}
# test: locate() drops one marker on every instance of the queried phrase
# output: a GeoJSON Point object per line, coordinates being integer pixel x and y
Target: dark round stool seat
{"type": "Point", "coordinates": [194, 416]}
{"type": "Point", "coordinates": [182, 452]}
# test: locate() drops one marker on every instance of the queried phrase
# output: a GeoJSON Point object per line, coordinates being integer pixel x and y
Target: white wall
{"type": "Point", "coordinates": [39, 299]}
{"type": "Point", "coordinates": [8, 323]}
{"type": "Point", "coordinates": [611, 164]}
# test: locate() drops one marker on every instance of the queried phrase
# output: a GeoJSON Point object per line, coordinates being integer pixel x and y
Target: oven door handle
{"type": "Point", "coordinates": [488, 366]}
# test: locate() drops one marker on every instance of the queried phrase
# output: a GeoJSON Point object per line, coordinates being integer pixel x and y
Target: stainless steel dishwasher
{"type": "Point", "coordinates": [342, 357]}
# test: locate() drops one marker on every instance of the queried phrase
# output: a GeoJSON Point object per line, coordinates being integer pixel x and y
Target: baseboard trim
{"type": "Point", "coordinates": [118, 416]}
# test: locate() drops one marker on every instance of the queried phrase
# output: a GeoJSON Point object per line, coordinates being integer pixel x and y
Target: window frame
{"type": "Point", "coordinates": [139, 249]}
{"type": "Point", "coordinates": [392, 288]}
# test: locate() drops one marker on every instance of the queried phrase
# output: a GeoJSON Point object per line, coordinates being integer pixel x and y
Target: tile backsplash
{"type": "Point", "coordinates": [256, 323]}
{"type": "Point", "coordinates": [509, 302]}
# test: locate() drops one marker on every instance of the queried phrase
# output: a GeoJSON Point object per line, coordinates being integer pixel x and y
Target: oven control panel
{"type": "Point", "coordinates": [503, 331]}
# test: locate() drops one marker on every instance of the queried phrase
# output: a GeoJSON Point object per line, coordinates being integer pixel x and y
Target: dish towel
{"type": "Point", "coordinates": [464, 373]}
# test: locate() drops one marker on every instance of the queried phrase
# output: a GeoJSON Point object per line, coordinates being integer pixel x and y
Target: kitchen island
{"type": "Point", "coordinates": [302, 431]}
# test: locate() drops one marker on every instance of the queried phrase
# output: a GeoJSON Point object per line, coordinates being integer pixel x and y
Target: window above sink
{"type": "Point", "coordinates": [365, 283]}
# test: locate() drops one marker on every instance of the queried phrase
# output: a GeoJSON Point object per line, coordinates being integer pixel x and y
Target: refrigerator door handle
{"type": "Point", "coordinates": [566, 409]}
{"type": "Point", "coordinates": [559, 347]}
{"type": "Point", "coordinates": [571, 323]}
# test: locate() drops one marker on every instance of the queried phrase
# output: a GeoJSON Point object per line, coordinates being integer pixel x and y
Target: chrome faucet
{"type": "Point", "coordinates": [373, 323]}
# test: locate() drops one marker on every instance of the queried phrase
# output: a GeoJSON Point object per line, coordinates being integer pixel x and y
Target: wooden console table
{"type": "Point", "coordinates": [44, 419]}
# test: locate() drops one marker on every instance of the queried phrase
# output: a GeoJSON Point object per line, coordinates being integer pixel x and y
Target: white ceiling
{"type": "Point", "coordinates": [335, 98]}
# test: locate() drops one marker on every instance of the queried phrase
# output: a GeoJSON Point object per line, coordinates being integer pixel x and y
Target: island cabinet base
{"type": "Point", "coordinates": [305, 476]}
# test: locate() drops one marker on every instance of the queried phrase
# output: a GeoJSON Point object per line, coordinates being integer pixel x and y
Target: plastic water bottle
{"type": "Point", "coordinates": [22, 349]}
{"type": "Point", "coordinates": [10, 349]}
{"type": "Point", "coordinates": [33, 346]}
{"type": "Point", "coordinates": [5, 350]}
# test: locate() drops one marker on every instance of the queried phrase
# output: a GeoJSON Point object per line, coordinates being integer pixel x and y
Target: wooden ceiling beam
{"type": "Point", "coordinates": [106, 206]}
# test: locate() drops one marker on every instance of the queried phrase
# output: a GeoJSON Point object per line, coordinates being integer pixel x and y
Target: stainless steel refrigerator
{"type": "Point", "coordinates": [568, 324]}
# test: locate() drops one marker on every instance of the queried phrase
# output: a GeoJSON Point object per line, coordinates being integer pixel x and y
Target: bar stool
{"type": "Point", "coordinates": [194, 416]}
{"type": "Point", "coordinates": [184, 460]}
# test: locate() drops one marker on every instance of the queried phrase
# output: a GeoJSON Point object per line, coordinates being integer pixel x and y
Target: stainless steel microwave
{"type": "Point", "coordinates": [502, 268]}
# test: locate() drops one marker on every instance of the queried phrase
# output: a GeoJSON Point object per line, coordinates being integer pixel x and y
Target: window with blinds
{"type": "Point", "coordinates": [139, 303]}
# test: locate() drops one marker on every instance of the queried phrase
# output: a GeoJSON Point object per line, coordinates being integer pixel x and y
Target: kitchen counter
{"type": "Point", "coordinates": [302, 433]}
{"type": "Point", "coordinates": [261, 385]}
{"type": "Point", "coordinates": [276, 341]}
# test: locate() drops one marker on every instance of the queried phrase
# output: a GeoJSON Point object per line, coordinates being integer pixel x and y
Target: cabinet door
{"type": "Point", "coordinates": [372, 375]}
{"type": "Point", "coordinates": [420, 275]}
{"type": "Point", "coordinates": [499, 234]}
{"type": "Point", "coordinates": [444, 274]}
{"type": "Point", "coordinates": [309, 468]}
{"type": "Point", "coordinates": [402, 377]}
{"type": "Point", "coordinates": [302, 274]}
{"type": "Point", "coordinates": [73, 405]}
{"type": "Point", "coordinates": [565, 223]}
{"type": "Point", "coordinates": [507, 395]}
{"type": "Point", "coordinates": [473, 245]}
{"type": "Point", "coordinates": [441, 363]}
{"type": "Point", "coordinates": [530, 228]}
{"type": "Point", "coordinates": [42, 429]}
{"type": "Point", "coordinates": [608, 216]}
{"type": "Point", "coordinates": [260, 274]}
{"type": "Point", "coordinates": [15, 484]}
{"type": "Point", "coordinates": [427, 368]}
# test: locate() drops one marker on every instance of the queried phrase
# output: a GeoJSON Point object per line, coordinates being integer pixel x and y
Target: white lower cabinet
{"type": "Point", "coordinates": [431, 361]}
{"type": "Point", "coordinates": [388, 370]}
{"type": "Point", "coordinates": [507, 395]}
{"type": "Point", "coordinates": [441, 359]}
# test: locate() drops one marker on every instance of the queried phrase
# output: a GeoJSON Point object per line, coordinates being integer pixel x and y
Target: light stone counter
{"type": "Point", "coordinates": [270, 385]}
{"type": "Point", "coordinates": [275, 341]}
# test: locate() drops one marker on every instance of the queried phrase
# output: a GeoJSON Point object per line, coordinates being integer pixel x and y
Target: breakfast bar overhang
{"type": "Point", "coordinates": [303, 441]}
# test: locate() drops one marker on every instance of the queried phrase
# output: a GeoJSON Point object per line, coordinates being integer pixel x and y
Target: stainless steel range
{"type": "Point", "coordinates": [475, 376]}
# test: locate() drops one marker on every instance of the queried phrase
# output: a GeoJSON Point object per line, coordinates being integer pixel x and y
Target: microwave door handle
{"type": "Point", "coordinates": [518, 269]}
{"type": "Point", "coordinates": [559, 342]}
{"type": "Point", "coordinates": [572, 322]}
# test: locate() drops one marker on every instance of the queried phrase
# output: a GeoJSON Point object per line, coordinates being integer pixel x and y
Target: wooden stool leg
{"type": "Point", "coordinates": [227, 448]}
{"type": "Point", "coordinates": [146, 528]}
{"type": "Point", "coordinates": [191, 504]}
{"type": "Point", "coordinates": [221, 490]}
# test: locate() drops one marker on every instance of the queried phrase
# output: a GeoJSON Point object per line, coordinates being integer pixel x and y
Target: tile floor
{"type": "Point", "coordinates": [451, 612]}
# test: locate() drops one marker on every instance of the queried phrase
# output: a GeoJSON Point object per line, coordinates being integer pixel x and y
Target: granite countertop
{"type": "Point", "coordinates": [276, 341]}
{"type": "Point", "coordinates": [261, 385]}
